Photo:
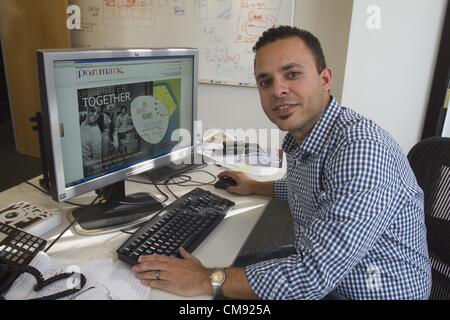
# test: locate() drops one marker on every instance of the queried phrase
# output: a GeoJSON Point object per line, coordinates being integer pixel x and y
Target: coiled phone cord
{"type": "Point", "coordinates": [42, 283]}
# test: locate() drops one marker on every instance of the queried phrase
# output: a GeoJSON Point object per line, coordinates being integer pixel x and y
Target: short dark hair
{"type": "Point", "coordinates": [284, 32]}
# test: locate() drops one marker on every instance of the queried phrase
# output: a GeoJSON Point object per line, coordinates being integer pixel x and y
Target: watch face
{"type": "Point", "coordinates": [218, 277]}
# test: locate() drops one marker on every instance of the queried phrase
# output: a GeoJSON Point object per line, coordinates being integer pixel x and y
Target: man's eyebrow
{"type": "Point", "coordinates": [290, 66]}
{"type": "Point", "coordinates": [283, 68]}
{"type": "Point", "coordinates": [261, 75]}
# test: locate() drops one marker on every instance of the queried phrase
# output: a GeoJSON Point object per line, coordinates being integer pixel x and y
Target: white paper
{"type": "Point", "coordinates": [106, 282]}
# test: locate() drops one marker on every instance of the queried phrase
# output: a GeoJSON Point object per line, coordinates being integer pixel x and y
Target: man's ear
{"type": "Point", "coordinates": [326, 78]}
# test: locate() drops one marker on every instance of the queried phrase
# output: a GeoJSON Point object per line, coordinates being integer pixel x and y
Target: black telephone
{"type": "Point", "coordinates": [17, 249]}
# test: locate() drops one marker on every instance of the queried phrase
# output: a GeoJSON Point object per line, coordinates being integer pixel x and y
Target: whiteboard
{"type": "Point", "coordinates": [224, 31]}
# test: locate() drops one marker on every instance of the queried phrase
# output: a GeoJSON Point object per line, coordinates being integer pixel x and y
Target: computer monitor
{"type": "Point", "coordinates": [109, 114]}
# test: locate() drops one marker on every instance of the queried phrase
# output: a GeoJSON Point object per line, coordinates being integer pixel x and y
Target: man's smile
{"type": "Point", "coordinates": [285, 109]}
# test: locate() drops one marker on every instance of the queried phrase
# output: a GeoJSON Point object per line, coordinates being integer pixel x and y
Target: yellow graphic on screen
{"type": "Point", "coordinates": [162, 94]}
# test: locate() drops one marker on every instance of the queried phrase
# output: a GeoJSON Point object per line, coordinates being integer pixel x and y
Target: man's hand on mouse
{"type": "Point", "coordinates": [244, 184]}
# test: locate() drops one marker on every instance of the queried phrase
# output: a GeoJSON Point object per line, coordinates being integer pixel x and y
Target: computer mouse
{"type": "Point", "coordinates": [225, 183]}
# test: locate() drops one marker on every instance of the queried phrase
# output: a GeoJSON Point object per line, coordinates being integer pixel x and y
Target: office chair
{"type": "Point", "coordinates": [430, 161]}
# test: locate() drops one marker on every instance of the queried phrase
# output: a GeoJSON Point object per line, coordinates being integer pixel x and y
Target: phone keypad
{"type": "Point", "coordinates": [18, 247]}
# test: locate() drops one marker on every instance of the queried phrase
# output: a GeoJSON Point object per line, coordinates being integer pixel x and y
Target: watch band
{"type": "Point", "coordinates": [217, 278]}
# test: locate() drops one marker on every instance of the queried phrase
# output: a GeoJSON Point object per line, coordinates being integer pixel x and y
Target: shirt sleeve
{"type": "Point", "coordinates": [280, 189]}
{"type": "Point", "coordinates": [361, 193]}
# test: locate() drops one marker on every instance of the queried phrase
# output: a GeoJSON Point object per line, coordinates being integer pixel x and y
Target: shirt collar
{"type": "Point", "coordinates": [316, 140]}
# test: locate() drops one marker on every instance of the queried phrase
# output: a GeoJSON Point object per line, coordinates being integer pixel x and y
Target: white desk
{"type": "Point", "coordinates": [220, 248]}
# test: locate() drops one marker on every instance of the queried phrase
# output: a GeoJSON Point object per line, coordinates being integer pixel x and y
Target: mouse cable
{"type": "Point", "coordinates": [193, 183]}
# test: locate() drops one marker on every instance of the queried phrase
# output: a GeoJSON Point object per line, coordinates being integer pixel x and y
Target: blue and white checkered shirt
{"type": "Point", "coordinates": [358, 216]}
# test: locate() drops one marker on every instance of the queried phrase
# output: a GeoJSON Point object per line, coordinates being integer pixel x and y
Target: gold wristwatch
{"type": "Point", "coordinates": [217, 278]}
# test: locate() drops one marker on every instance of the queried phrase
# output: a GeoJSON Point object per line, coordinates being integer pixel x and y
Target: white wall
{"type": "Point", "coordinates": [239, 107]}
{"type": "Point", "coordinates": [329, 21]}
{"type": "Point", "coordinates": [389, 71]}
{"type": "Point", "coordinates": [229, 107]}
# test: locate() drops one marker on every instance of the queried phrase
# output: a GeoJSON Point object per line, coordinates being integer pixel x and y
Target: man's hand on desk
{"type": "Point", "coordinates": [188, 277]}
{"type": "Point", "coordinates": [246, 185]}
{"type": "Point", "coordinates": [185, 277]}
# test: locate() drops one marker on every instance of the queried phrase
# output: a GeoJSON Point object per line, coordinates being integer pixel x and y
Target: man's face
{"type": "Point", "coordinates": [92, 115]}
{"type": "Point", "coordinates": [293, 94]}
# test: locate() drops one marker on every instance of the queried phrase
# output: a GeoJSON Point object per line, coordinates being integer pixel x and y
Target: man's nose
{"type": "Point", "coordinates": [280, 87]}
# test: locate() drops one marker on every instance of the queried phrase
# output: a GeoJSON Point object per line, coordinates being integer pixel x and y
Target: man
{"type": "Point", "coordinates": [357, 208]}
{"type": "Point", "coordinates": [123, 128]}
{"type": "Point", "coordinates": [91, 142]}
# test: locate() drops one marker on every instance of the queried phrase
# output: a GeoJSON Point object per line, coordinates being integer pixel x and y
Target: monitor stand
{"type": "Point", "coordinates": [115, 211]}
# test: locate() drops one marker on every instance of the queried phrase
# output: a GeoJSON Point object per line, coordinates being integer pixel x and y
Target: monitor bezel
{"type": "Point", "coordinates": [50, 117]}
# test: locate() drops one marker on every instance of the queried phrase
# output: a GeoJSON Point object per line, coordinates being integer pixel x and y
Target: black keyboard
{"type": "Point", "coordinates": [184, 223]}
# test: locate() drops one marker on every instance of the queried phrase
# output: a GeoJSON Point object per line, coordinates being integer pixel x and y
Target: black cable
{"type": "Point", "coordinates": [68, 227]}
{"type": "Point", "coordinates": [184, 174]}
{"type": "Point", "coordinates": [71, 224]}
{"type": "Point", "coordinates": [182, 183]}
{"type": "Point", "coordinates": [168, 189]}
{"type": "Point", "coordinates": [134, 203]}
{"type": "Point", "coordinates": [160, 191]}
{"type": "Point", "coordinates": [36, 187]}
{"type": "Point", "coordinates": [155, 185]}
{"type": "Point", "coordinates": [193, 183]}
{"type": "Point", "coordinates": [188, 178]}
{"type": "Point", "coordinates": [199, 183]}
{"type": "Point", "coordinates": [204, 165]}
{"type": "Point", "coordinates": [205, 171]}
{"type": "Point", "coordinates": [60, 235]}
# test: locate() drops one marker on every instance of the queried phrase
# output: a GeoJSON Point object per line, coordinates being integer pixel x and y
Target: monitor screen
{"type": "Point", "coordinates": [109, 114]}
